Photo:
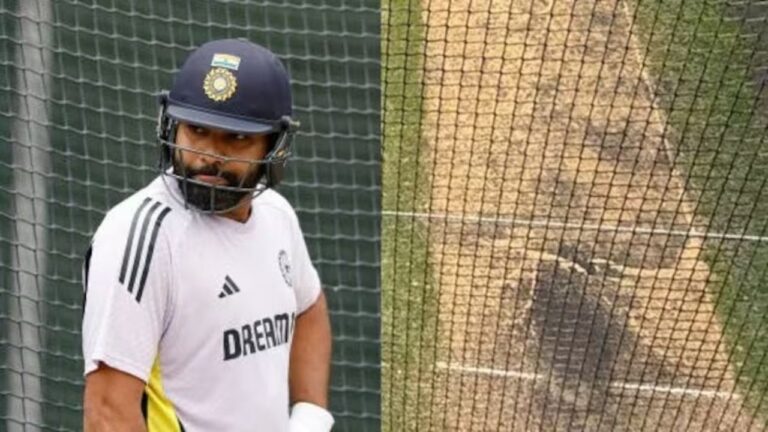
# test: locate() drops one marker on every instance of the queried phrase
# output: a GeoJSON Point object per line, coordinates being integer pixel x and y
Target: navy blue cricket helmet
{"type": "Point", "coordinates": [235, 86]}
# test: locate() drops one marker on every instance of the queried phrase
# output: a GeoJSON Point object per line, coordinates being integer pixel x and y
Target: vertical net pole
{"type": "Point", "coordinates": [31, 159]}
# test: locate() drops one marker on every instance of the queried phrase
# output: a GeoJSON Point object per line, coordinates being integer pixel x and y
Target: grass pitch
{"type": "Point", "coordinates": [539, 114]}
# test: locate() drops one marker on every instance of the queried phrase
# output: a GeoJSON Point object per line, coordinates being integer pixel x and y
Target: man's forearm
{"type": "Point", "coordinates": [112, 402]}
{"type": "Point", "coordinates": [310, 365]}
{"type": "Point", "coordinates": [103, 418]}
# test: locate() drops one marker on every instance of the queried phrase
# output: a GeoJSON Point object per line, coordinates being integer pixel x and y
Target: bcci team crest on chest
{"type": "Point", "coordinates": [285, 267]}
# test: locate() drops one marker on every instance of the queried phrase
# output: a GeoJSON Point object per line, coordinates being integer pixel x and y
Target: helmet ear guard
{"type": "Point", "coordinates": [280, 150]}
{"type": "Point", "coordinates": [166, 131]}
{"type": "Point", "coordinates": [162, 118]}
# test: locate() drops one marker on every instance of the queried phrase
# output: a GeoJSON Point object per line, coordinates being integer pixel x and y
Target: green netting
{"type": "Point", "coordinates": [78, 80]}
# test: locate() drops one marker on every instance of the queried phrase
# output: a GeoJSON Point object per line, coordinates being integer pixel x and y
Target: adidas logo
{"type": "Point", "coordinates": [229, 288]}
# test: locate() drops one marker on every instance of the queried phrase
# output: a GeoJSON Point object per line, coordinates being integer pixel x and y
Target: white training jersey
{"type": "Point", "coordinates": [200, 307]}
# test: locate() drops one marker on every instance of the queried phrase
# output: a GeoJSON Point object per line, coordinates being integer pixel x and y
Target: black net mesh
{"type": "Point", "coordinates": [575, 212]}
{"type": "Point", "coordinates": [79, 80]}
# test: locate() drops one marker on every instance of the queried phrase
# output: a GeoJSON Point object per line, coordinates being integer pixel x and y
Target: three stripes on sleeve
{"type": "Point", "coordinates": [140, 246]}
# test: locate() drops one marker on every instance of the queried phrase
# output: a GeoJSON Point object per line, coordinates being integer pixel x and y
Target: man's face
{"type": "Point", "coordinates": [201, 156]}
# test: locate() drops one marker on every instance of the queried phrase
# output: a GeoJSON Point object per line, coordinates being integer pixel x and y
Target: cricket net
{"type": "Point", "coordinates": [575, 214]}
{"type": "Point", "coordinates": [79, 80]}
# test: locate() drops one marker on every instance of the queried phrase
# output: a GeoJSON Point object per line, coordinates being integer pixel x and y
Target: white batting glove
{"type": "Point", "coordinates": [307, 417]}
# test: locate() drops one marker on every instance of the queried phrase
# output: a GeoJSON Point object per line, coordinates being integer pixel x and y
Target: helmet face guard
{"type": "Point", "coordinates": [222, 198]}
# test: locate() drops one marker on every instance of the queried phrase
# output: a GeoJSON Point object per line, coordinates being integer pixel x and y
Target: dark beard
{"type": "Point", "coordinates": [212, 198]}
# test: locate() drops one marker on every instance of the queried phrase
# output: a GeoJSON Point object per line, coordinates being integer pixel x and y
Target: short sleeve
{"type": "Point", "coordinates": [127, 290]}
{"type": "Point", "coordinates": [306, 282]}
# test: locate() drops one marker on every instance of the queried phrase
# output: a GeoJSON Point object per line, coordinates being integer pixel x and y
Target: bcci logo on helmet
{"type": "Point", "coordinates": [285, 267]}
{"type": "Point", "coordinates": [220, 84]}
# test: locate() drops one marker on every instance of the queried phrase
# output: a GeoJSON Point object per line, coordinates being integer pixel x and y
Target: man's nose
{"type": "Point", "coordinates": [212, 150]}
